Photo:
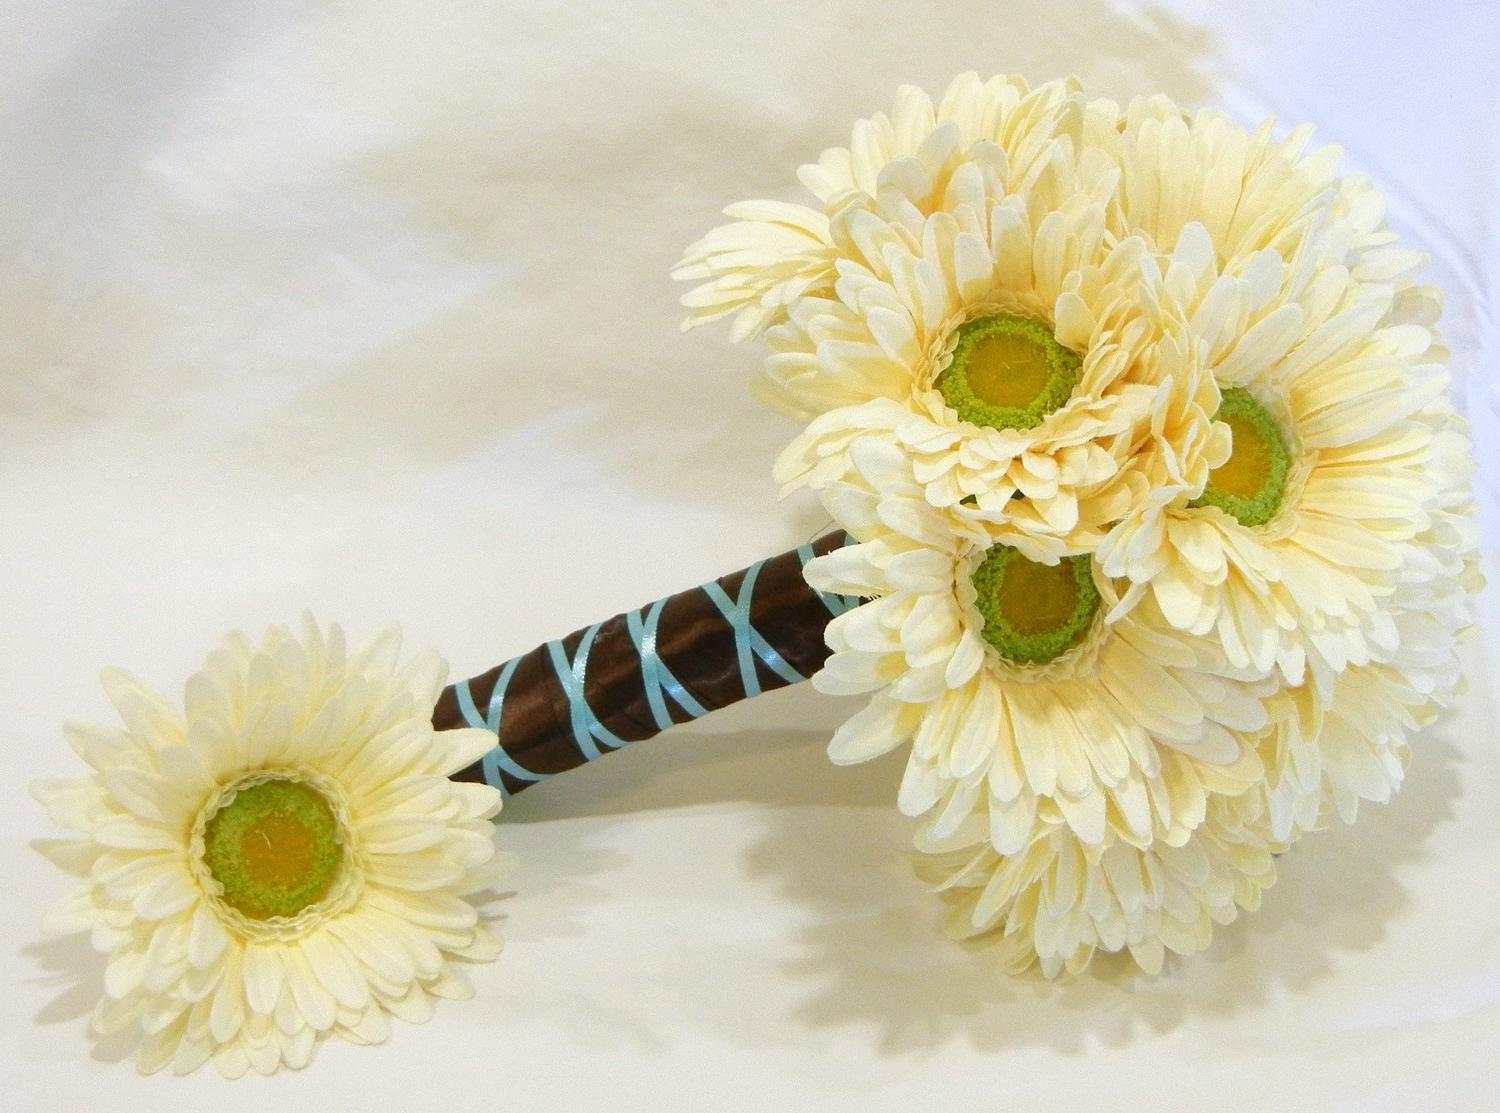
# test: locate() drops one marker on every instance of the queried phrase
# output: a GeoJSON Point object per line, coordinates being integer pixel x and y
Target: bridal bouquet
{"type": "Point", "coordinates": [1155, 544]}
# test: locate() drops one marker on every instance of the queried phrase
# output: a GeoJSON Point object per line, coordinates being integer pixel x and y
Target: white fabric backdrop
{"type": "Point", "coordinates": [363, 306]}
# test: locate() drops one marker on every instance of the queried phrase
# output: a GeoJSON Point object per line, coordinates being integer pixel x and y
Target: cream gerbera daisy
{"type": "Point", "coordinates": [283, 860]}
{"type": "Point", "coordinates": [1252, 192]}
{"type": "Point", "coordinates": [1060, 900]}
{"type": "Point", "coordinates": [1304, 306]}
{"type": "Point", "coordinates": [979, 313]}
{"type": "Point", "coordinates": [1042, 381]}
{"type": "Point", "coordinates": [776, 253]}
{"type": "Point", "coordinates": [1018, 699]}
{"type": "Point", "coordinates": [1334, 393]}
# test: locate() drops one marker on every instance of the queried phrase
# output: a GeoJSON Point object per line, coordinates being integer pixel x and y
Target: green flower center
{"type": "Point", "coordinates": [1034, 612]}
{"type": "Point", "coordinates": [1008, 372]}
{"type": "Point", "coordinates": [275, 847]}
{"type": "Point", "coordinates": [1250, 485]}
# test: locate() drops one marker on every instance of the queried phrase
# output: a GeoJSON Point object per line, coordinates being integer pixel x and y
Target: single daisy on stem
{"type": "Point", "coordinates": [283, 860]}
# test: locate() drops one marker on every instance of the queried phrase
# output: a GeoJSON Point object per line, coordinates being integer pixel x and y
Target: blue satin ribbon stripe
{"type": "Point", "coordinates": [658, 679]}
{"type": "Point", "coordinates": [497, 759]}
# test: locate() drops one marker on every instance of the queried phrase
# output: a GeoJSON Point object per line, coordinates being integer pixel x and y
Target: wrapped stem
{"type": "Point", "coordinates": [634, 675]}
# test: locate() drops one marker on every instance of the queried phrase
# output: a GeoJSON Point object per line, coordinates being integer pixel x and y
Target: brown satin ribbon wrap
{"type": "Point", "coordinates": [695, 641]}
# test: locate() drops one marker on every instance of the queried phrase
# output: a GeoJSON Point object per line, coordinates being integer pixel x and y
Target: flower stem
{"type": "Point", "coordinates": [632, 676]}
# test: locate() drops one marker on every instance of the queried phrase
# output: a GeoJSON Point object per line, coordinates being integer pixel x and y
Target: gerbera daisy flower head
{"type": "Point", "coordinates": [282, 860]}
{"type": "Point", "coordinates": [971, 302]}
{"type": "Point", "coordinates": [1252, 191]}
{"type": "Point", "coordinates": [1060, 901]}
{"type": "Point", "coordinates": [775, 253]}
{"type": "Point", "coordinates": [1019, 700]}
{"type": "Point", "coordinates": [1332, 379]}
{"type": "Point", "coordinates": [1040, 376]}
{"type": "Point", "coordinates": [1334, 391]}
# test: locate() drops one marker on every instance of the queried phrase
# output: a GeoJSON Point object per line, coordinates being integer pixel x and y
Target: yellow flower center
{"type": "Point", "coordinates": [1248, 486]}
{"type": "Point", "coordinates": [1007, 372]}
{"type": "Point", "coordinates": [278, 850]}
{"type": "Point", "coordinates": [1008, 369]}
{"type": "Point", "coordinates": [1034, 612]}
{"type": "Point", "coordinates": [274, 847]}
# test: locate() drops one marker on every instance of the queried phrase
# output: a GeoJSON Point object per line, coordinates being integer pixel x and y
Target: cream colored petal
{"type": "Point", "coordinates": [875, 730]}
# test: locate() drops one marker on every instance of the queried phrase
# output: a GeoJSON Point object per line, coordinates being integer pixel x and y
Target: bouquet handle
{"type": "Point", "coordinates": [632, 676]}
